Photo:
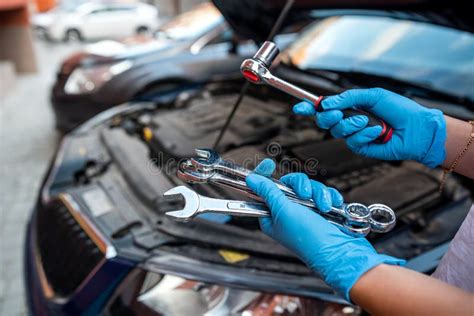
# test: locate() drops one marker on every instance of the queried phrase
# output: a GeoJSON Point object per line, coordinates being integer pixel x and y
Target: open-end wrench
{"type": "Point", "coordinates": [256, 71]}
{"type": "Point", "coordinates": [196, 204]}
{"type": "Point", "coordinates": [354, 213]}
{"type": "Point", "coordinates": [191, 175]}
{"type": "Point", "coordinates": [209, 160]}
{"type": "Point", "coordinates": [210, 163]}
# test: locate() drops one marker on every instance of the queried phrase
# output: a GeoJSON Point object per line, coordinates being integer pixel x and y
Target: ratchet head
{"type": "Point", "coordinates": [255, 69]}
{"type": "Point", "coordinates": [191, 203]}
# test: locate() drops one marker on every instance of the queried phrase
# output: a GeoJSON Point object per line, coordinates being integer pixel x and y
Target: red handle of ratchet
{"type": "Point", "coordinates": [387, 130]}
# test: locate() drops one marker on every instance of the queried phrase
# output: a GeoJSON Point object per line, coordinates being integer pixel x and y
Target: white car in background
{"type": "Point", "coordinates": [96, 21]}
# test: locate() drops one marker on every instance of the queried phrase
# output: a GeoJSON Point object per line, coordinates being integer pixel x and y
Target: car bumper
{"type": "Point", "coordinates": [71, 111]}
{"type": "Point", "coordinates": [36, 297]}
{"type": "Point", "coordinates": [89, 298]}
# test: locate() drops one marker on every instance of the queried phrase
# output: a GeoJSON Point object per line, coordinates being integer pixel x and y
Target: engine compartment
{"type": "Point", "coordinates": [143, 149]}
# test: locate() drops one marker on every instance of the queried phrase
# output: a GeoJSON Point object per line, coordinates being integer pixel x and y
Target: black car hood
{"type": "Point", "coordinates": [254, 19]}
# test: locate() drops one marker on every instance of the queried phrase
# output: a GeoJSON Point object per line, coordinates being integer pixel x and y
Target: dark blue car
{"type": "Point", "coordinates": [99, 242]}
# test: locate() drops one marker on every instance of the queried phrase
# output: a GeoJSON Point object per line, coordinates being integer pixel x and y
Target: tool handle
{"type": "Point", "coordinates": [244, 208]}
{"type": "Point", "coordinates": [387, 130]}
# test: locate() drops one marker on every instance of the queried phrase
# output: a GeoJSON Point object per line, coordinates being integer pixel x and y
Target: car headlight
{"type": "Point", "coordinates": [88, 79]}
{"type": "Point", "coordinates": [173, 295]}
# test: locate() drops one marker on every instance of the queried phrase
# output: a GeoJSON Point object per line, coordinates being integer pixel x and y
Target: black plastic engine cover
{"type": "Point", "coordinates": [178, 132]}
{"type": "Point", "coordinates": [333, 156]}
{"type": "Point", "coordinates": [408, 188]}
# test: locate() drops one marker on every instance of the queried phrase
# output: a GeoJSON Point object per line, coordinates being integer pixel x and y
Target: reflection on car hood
{"type": "Point", "coordinates": [254, 19]}
{"type": "Point", "coordinates": [129, 48]}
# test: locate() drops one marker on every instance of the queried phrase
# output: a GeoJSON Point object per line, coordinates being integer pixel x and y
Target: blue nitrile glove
{"type": "Point", "coordinates": [339, 258]}
{"type": "Point", "coordinates": [419, 133]}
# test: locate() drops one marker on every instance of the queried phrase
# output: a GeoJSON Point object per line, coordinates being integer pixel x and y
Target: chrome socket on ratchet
{"type": "Point", "coordinates": [353, 218]}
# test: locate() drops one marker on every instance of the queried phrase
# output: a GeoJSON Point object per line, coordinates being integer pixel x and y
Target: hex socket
{"type": "Point", "coordinates": [267, 53]}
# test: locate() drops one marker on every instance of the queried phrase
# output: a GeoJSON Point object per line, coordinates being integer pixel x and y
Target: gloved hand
{"type": "Point", "coordinates": [339, 258]}
{"type": "Point", "coordinates": [419, 133]}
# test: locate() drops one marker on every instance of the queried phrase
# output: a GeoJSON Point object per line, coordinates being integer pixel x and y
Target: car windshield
{"type": "Point", "coordinates": [66, 6]}
{"type": "Point", "coordinates": [423, 54]}
{"type": "Point", "coordinates": [193, 23]}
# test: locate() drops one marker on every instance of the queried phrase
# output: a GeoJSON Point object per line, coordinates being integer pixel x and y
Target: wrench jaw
{"type": "Point", "coordinates": [206, 159]}
{"type": "Point", "coordinates": [191, 203]}
{"type": "Point", "coordinates": [208, 153]}
{"type": "Point", "coordinates": [209, 160]}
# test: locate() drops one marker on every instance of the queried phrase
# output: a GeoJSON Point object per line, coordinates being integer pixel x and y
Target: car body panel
{"type": "Point", "coordinates": [254, 19]}
{"type": "Point", "coordinates": [154, 73]}
{"type": "Point", "coordinates": [130, 178]}
{"type": "Point", "coordinates": [188, 68]}
{"type": "Point", "coordinates": [93, 295]}
{"type": "Point", "coordinates": [121, 157]}
{"type": "Point", "coordinates": [94, 21]}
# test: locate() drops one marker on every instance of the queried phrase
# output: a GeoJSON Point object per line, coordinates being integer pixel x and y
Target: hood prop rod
{"type": "Point", "coordinates": [276, 27]}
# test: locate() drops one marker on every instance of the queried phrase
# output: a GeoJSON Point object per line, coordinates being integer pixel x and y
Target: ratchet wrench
{"type": "Point", "coordinates": [196, 204]}
{"type": "Point", "coordinates": [256, 71]}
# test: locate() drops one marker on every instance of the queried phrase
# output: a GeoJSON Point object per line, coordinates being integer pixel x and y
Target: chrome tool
{"type": "Point", "coordinates": [256, 71]}
{"type": "Point", "coordinates": [196, 204]}
{"type": "Point", "coordinates": [210, 167]}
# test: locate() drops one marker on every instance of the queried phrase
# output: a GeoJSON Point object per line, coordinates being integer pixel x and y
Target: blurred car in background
{"type": "Point", "coordinates": [99, 241]}
{"type": "Point", "coordinates": [109, 73]}
{"type": "Point", "coordinates": [187, 51]}
{"type": "Point", "coordinates": [92, 20]}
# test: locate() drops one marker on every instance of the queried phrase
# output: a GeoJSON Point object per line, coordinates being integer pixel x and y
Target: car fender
{"type": "Point", "coordinates": [185, 68]}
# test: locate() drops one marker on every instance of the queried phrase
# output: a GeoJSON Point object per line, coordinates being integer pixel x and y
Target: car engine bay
{"type": "Point", "coordinates": [143, 150]}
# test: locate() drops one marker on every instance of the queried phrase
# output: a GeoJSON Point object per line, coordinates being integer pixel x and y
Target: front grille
{"type": "Point", "coordinates": [67, 253]}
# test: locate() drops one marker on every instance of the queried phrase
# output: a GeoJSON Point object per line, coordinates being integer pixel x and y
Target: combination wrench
{"type": "Point", "coordinates": [353, 213]}
{"type": "Point", "coordinates": [196, 204]}
{"type": "Point", "coordinates": [209, 167]}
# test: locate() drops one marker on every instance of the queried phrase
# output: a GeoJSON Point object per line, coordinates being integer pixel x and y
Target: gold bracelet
{"type": "Point", "coordinates": [451, 168]}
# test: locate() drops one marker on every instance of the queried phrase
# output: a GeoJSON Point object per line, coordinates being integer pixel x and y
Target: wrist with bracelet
{"type": "Point", "coordinates": [458, 158]}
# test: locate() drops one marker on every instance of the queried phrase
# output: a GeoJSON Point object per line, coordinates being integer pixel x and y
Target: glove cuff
{"type": "Point", "coordinates": [436, 154]}
{"type": "Point", "coordinates": [343, 277]}
{"type": "Point", "coordinates": [372, 263]}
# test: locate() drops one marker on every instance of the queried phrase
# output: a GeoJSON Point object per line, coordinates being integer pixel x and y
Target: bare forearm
{"type": "Point", "coordinates": [457, 135]}
{"type": "Point", "coordinates": [393, 290]}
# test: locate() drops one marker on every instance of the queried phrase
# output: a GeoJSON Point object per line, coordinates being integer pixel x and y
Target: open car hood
{"type": "Point", "coordinates": [254, 19]}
